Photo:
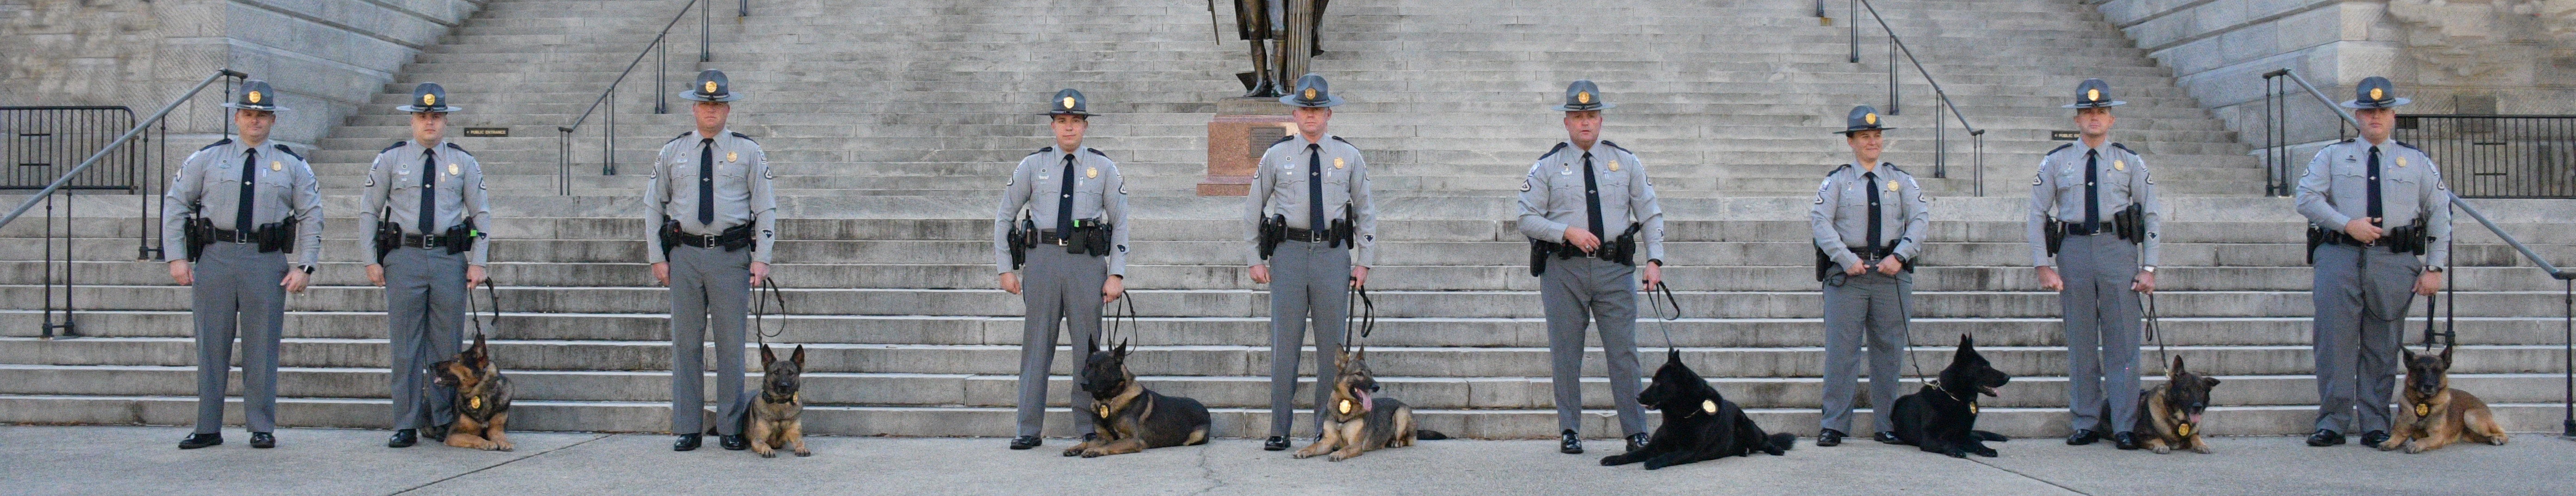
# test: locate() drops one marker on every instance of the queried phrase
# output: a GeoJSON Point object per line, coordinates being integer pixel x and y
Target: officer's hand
{"type": "Point", "coordinates": [2428, 283]}
{"type": "Point", "coordinates": [1654, 274]}
{"type": "Point", "coordinates": [1116, 287]}
{"type": "Point", "coordinates": [2048, 279]}
{"type": "Point", "coordinates": [1011, 282]}
{"type": "Point", "coordinates": [1582, 239]}
{"type": "Point", "coordinates": [1261, 274]}
{"type": "Point", "coordinates": [1856, 269]}
{"type": "Point", "coordinates": [376, 276]}
{"type": "Point", "coordinates": [1890, 265]}
{"type": "Point", "coordinates": [475, 275]}
{"type": "Point", "coordinates": [179, 273]}
{"type": "Point", "coordinates": [1359, 276]}
{"type": "Point", "coordinates": [2361, 229]}
{"type": "Point", "coordinates": [295, 280]}
{"type": "Point", "coordinates": [662, 273]}
{"type": "Point", "coordinates": [2144, 283]}
{"type": "Point", "coordinates": [759, 271]}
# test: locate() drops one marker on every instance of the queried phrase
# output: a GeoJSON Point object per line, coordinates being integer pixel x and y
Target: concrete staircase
{"type": "Point", "coordinates": [888, 122]}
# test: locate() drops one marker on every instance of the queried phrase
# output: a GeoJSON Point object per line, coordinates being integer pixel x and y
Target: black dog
{"type": "Point", "coordinates": [1942, 418]}
{"type": "Point", "coordinates": [1130, 418]}
{"type": "Point", "coordinates": [1698, 424]}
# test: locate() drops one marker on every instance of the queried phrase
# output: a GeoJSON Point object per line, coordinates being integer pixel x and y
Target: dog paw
{"type": "Point", "coordinates": [768, 454]}
{"type": "Point", "coordinates": [2498, 440]}
{"type": "Point", "coordinates": [504, 447]}
{"type": "Point", "coordinates": [1988, 453]}
{"type": "Point", "coordinates": [1337, 457]}
{"type": "Point", "coordinates": [1091, 453]}
{"type": "Point", "coordinates": [2202, 450]}
{"type": "Point", "coordinates": [1073, 452]}
{"type": "Point", "coordinates": [1956, 453]}
{"type": "Point", "coordinates": [2412, 448]}
{"type": "Point", "coordinates": [2162, 449]}
{"type": "Point", "coordinates": [804, 453]}
{"type": "Point", "coordinates": [1301, 455]}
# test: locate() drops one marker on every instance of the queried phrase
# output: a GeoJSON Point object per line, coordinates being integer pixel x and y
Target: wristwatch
{"type": "Point", "coordinates": [2147, 269]}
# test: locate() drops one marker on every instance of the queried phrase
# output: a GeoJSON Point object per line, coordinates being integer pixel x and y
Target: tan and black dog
{"type": "Point", "coordinates": [1358, 422]}
{"type": "Point", "coordinates": [772, 423]}
{"type": "Point", "coordinates": [482, 399]}
{"type": "Point", "coordinates": [1130, 418]}
{"type": "Point", "coordinates": [2434, 415]}
{"type": "Point", "coordinates": [2172, 414]}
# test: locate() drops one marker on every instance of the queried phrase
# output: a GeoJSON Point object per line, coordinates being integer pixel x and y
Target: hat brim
{"type": "Point", "coordinates": [1571, 108]}
{"type": "Point", "coordinates": [417, 108]}
{"type": "Point", "coordinates": [1084, 114]}
{"type": "Point", "coordinates": [2392, 103]}
{"type": "Point", "coordinates": [1855, 130]}
{"type": "Point", "coordinates": [1329, 101]}
{"type": "Point", "coordinates": [693, 96]}
{"type": "Point", "coordinates": [271, 108]}
{"type": "Point", "coordinates": [2113, 103]}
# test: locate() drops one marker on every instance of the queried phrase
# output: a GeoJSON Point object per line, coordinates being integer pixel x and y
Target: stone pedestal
{"type": "Point", "coordinates": [1241, 130]}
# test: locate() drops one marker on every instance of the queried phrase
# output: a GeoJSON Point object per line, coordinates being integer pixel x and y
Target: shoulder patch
{"type": "Point", "coordinates": [2053, 151]}
{"type": "Point", "coordinates": [2348, 140]}
{"type": "Point", "coordinates": [2124, 148]}
{"type": "Point", "coordinates": [289, 151]}
{"type": "Point", "coordinates": [1095, 151]}
{"type": "Point", "coordinates": [459, 149]}
{"type": "Point", "coordinates": [220, 142]}
{"type": "Point", "coordinates": [1551, 152]}
{"type": "Point", "coordinates": [1837, 170]}
{"type": "Point", "coordinates": [388, 148]}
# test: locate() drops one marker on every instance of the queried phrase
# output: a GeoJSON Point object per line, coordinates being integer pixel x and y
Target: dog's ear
{"type": "Point", "coordinates": [1360, 355]}
{"type": "Point", "coordinates": [2176, 370]}
{"type": "Point", "coordinates": [2446, 355]}
{"type": "Point", "coordinates": [1090, 346]}
{"type": "Point", "coordinates": [799, 357]}
{"type": "Point", "coordinates": [2409, 356]}
{"type": "Point", "coordinates": [2207, 381]}
{"type": "Point", "coordinates": [766, 357]}
{"type": "Point", "coordinates": [1673, 355]}
{"type": "Point", "coordinates": [1966, 342]}
{"type": "Point", "coordinates": [1122, 349]}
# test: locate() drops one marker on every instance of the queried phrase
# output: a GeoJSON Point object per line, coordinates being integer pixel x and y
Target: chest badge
{"type": "Point", "coordinates": [729, 156]}
{"type": "Point", "coordinates": [454, 170]}
{"type": "Point", "coordinates": [2401, 161]}
{"type": "Point", "coordinates": [2120, 165]}
{"type": "Point", "coordinates": [276, 165]}
{"type": "Point", "coordinates": [1093, 173]}
{"type": "Point", "coordinates": [1614, 166]}
{"type": "Point", "coordinates": [1891, 185]}
{"type": "Point", "coordinates": [1337, 163]}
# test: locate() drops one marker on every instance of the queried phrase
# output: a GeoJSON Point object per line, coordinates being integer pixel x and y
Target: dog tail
{"type": "Point", "coordinates": [1429, 435]}
{"type": "Point", "coordinates": [1782, 441]}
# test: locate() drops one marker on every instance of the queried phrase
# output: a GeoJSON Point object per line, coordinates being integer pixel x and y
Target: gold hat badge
{"type": "Point", "coordinates": [2374, 94]}
{"type": "Point", "coordinates": [254, 97]}
{"type": "Point", "coordinates": [1068, 103]}
{"type": "Point", "coordinates": [1310, 93]}
{"type": "Point", "coordinates": [1869, 118]}
{"type": "Point", "coordinates": [428, 99]}
{"type": "Point", "coordinates": [1583, 97]}
{"type": "Point", "coordinates": [2093, 95]}
{"type": "Point", "coordinates": [711, 87]}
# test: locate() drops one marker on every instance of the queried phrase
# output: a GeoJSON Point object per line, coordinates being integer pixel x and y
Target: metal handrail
{"type": "Point", "coordinates": [656, 48]}
{"type": "Point", "coordinates": [129, 135]}
{"type": "Point", "coordinates": [1940, 131]}
{"type": "Point", "coordinates": [2276, 173]}
{"type": "Point", "coordinates": [2567, 298]}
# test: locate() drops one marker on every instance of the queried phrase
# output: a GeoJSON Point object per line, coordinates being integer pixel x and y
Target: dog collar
{"type": "Point", "coordinates": [1972, 408]}
{"type": "Point", "coordinates": [474, 403]}
{"type": "Point", "coordinates": [1708, 406]}
{"type": "Point", "coordinates": [1103, 409]}
{"type": "Point", "coordinates": [2184, 429]}
{"type": "Point", "coordinates": [2423, 409]}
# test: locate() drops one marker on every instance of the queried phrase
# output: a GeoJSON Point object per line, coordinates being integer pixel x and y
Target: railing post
{"type": "Point", "coordinates": [1855, 31]}
{"type": "Point", "coordinates": [563, 160]}
{"type": "Point", "coordinates": [744, 10]}
{"type": "Point", "coordinates": [661, 77]}
{"type": "Point", "coordinates": [1940, 141]}
{"type": "Point", "coordinates": [1977, 137]}
{"type": "Point", "coordinates": [1895, 101]}
{"type": "Point", "coordinates": [704, 29]}
{"type": "Point", "coordinates": [608, 137]}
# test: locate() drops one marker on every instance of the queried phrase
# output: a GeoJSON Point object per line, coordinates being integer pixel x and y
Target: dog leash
{"type": "Point", "coordinates": [2431, 301]}
{"type": "Point", "coordinates": [1127, 303]}
{"type": "Point", "coordinates": [474, 315]}
{"type": "Point", "coordinates": [2154, 329]}
{"type": "Point", "coordinates": [759, 308]}
{"type": "Point", "coordinates": [1364, 320]}
{"type": "Point", "coordinates": [1660, 319]}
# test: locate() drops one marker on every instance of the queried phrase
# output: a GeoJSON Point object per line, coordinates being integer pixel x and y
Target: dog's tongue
{"type": "Point", "coordinates": [1366, 403]}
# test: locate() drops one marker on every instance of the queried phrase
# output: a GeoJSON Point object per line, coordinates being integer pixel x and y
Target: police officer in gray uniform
{"type": "Point", "coordinates": [1074, 248]}
{"type": "Point", "coordinates": [712, 218]}
{"type": "Point", "coordinates": [2092, 228]}
{"type": "Point", "coordinates": [1313, 231]}
{"type": "Point", "coordinates": [1585, 229]}
{"type": "Point", "coordinates": [2374, 204]}
{"type": "Point", "coordinates": [233, 206]}
{"type": "Point", "coordinates": [1870, 221]}
{"type": "Point", "coordinates": [424, 208]}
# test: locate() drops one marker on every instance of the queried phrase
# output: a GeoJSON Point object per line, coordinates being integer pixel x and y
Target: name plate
{"type": "Point", "coordinates": [487, 132]}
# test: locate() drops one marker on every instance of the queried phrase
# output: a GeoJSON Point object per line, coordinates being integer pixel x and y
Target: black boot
{"type": "Point", "coordinates": [2373, 439]}
{"type": "Point", "coordinates": [403, 438]}
{"type": "Point", "coordinates": [2082, 437]}
{"type": "Point", "coordinates": [2325, 437]}
{"type": "Point", "coordinates": [263, 440]}
{"type": "Point", "coordinates": [733, 442]}
{"type": "Point", "coordinates": [1568, 444]}
{"type": "Point", "coordinates": [1829, 438]}
{"type": "Point", "coordinates": [1275, 443]}
{"type": "Point", "coordinates": [194, 441]}
{"type": "Point", "coordinates": [2124, 440]}
{"type": "Point", "coordinates": [435, 433]}
{"type": "Point", "coordinates": [1889, 437]}
{"type": "Point", "coordinates": [687, 442]}
{"type": "Point", "coordinates": [1026, 442]}
{"type": "Point", "coordinates": [1637, 441]}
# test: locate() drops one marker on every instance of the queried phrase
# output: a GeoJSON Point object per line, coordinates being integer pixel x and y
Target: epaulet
{"type": "Point", "coordinates": [2402, 143]}
{"type": "Point", "coordinates": [388, 148]}
{"type": "Point", "coordinates": [1893, 167]}
{"type": "Point", "coordinates": [1283, 139]}
{"type": "Point", "coordinates": [1837, 170]}
{"type": "Point", "coordinates": [745, 137]}
{"type": "Point", "coordinates": [220, 142]}
{"type": "Point", "coordinates": [289, 151]}
{"type": "Point", "coordinates": [1040, 150]}
{"type": "Point", "coordinates": [2059, 148]}
{"type": "Point", "coordinates": [459, 149]}
{"type": "Point", "coordinates": [1096, 151]}
{"type": "Point", "coordinates": [2348, 140]}
{"type": "Point", "coordinates": [1338, 137]}
{"type": "Point", "coordinates": [676, 138]}
{"type": "Point", "coordinates": [1616, 145]}
{"type": "Point", "coordinates": [1551, 152]}
{"type": "Point", "coordinates": [2124, 148]}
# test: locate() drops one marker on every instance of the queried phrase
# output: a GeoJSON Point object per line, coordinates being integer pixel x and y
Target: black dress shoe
{"type": "Point", "coordinates": [2083, 437]}
{"type": "Point", "coordinates": [1888, 437]}
{"type": "Point", "coordinates": [1637, 441]}
{"type": "Point", "coordinates": [2124, 440]}
{"type": "Point", "coordinates": [1026, 442]}
{"type": "Point", "coordinates": [437, 433]}
{"type": "Point", "coordinates": [262, 440]}
{"type": "Point", "coordinates": [2374, 438]}
{"type": "Point", "coordinates": [733, 442]}
{"type": "Point", "coordinates": [403, 438]}
{"type": "Point", "coordinates": [687, 442]}
{"type": "Point", "coordinates": [1275, 443]}
{"type": "Point", "coordinates": [1829, 438]}
{"type": "Point", "coordinates": [2325, 437]}
{"type": "Point", "coordinates": [1568, 444]}
{"type": "Point", "coordinates": [194, 441]}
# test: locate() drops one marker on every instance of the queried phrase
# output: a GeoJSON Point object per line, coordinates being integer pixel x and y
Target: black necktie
{"type": "Point", "coordinates": [707, 183]}
{"type": "Point", "coordinates": [1315, 187]}
{"type": "Point", "coordinates": [2374, 186]}
{"type": "Point", "coordinates": [250, 175]}
{"type": "Point", "coordinates": [1592, 197]}
{"type": "Point", "coordinates": [1870, 180]}
{"type": "Point", "coordinates": [2092, 192]}
{"type": "Point", "coordinates": [1064, 202]}
{"type": "Point", "coordinates": [428, 190]}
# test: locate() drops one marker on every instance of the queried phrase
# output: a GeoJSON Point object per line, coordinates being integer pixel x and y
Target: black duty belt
{"type": "Point", "coordinates": [1049, 237]}
{"type": "Point", "coordinates": [2077, 229]}
{"type": "Point", "coordinates": [242, 237]}
{"type": "Point", "coordinates": [1309, 235]}
{"type": "Point", "coordinates": [425, 241]}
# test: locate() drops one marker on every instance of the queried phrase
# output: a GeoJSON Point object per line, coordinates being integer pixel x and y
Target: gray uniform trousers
{"type": "Point", "coordinates": [708, 286]}
{"type": "Point", "coordinates": [1870, 308]}
{"type": "Point", "coordinates": [237, 285]}
{"type": "Point", "coordinates": [1581, 291]}
{"type": "Point", "coordinates": [424, 298]}
{"type": "Point", "coordinates": [1060, 290]}
{"type": "Point", "coordinates": [2101, 330]}
{"type": "Point", "coordinates": [2362, 297]}
{"type": "Point", "coordinates": [1309, 281]}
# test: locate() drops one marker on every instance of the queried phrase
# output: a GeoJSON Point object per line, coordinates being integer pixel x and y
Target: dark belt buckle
{"type": "Point", "coordinates": [706, 241]}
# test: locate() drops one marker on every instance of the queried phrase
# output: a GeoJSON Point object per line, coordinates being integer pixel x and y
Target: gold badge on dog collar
{"type": "Point", "coordinates": [474, 403]}
{"type": "Point", "coordinates": [1972, 408]}
{"type": "Point", "coordinates": [1104, 411]}
{"type": "Point", "coordinates": [2423, 409]}
{"type": "Point", "coordinates": [1344, 407]}
{"type": "Point", "coordinates": [1709, 406]}
{"type": "Point", "coordinates": [2184, 429]}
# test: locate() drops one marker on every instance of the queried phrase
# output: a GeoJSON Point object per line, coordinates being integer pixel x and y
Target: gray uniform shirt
{"type": "Point", "coordinates": [1841, 214]}
{"type": "Point", "coordinates": [394, 182]}
{"type": "Point", "coordinates": [1279, 188]}
{"type": "Point", "coordinates": [742, 192]}
{"type": "Point", "coordinates": [2336, 190]}
{"type": "Point", "coordinates": [211, 178]}
{"type": "Point", "coordinates": [1552, 196]}
{"type": "Point", "coordinates": [2057, 195]}
{"type": "Point", "coordinates": [1038, 185]}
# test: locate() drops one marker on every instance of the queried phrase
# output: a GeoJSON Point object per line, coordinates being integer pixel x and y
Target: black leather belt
{"type": "Point", "coordinates": [699, 240]}
{"type": "Point", "coordinates": [240, 237]}
{"type": "Point", "coordinates": [424, 241]}
{"type": "Point", "coordinates": [2077, 229]}
{"type": "Point", "coordinates": [1308, 235]}
{"type": "Point", "coordinates": [1049, 237]}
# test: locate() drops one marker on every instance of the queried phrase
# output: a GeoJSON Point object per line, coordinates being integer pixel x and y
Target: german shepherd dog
{"type": "Point", "coordinates": [482, 399]}
{"type": "Point", "coordinates": [1130, 418]}
{"type": "Point", "coordinates": [1359, 422]}
{"type": "Point", "coordinates": [1942, 418]}
{"type": "Point", "coordinates": [2172, 416]}
{"type": "Point", "coordinates": [2436, 415]}
{"type": "Point", "coordinates": [772, 422]}
{"type": "Point", "coordinates": [1698, 423]}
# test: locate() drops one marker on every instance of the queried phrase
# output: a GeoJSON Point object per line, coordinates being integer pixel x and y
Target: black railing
{"type": "Point", "coordinates": [71, 129]}
{"type": "Point", "coordinates": [659, 51]}
{"type": "Point", "coordinates": [2498, 156]}
{"type": "Point", "coordinates": [1945, 108]}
